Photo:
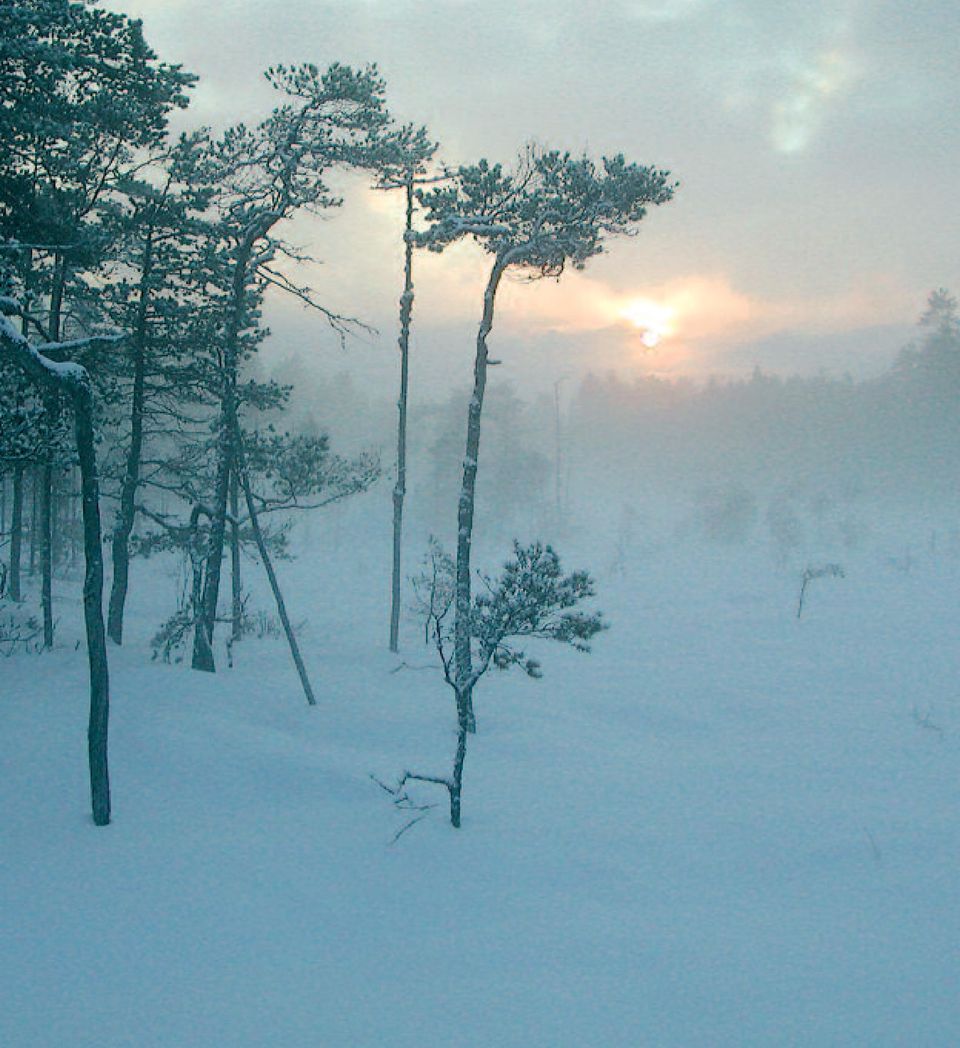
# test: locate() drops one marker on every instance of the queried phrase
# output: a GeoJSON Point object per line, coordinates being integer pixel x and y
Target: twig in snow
{"type": "Point", "coordinates": [411, 823]}
{"type": "Point", "coordinates": [408, 666]}
{"type": "Point", "coordinates": [826, 571]}
{"type": "Point", "coordinates": [924, 720]}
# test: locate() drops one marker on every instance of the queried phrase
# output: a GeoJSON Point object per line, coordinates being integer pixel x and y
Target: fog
{"type": "Point", "coordinates": [799, 467]}
{"type": "Point", "coordinates": [594, 688]}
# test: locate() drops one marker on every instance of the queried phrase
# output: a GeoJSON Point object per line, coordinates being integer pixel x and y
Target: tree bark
{"type": "Point", "coordinates": [46, 472]}
{"type": "Point", "coordinates": [97, 729]}
{"type": "Point", "coordinates": [126, 516]}
{"type": "Point", "coordinates": [46, 552]}
{"type": "Point", "coordinates": [203, 658]}
{"type": "Point", "coordinates": [76, 382]}
{"type": "Point", "coordinates": [400, 488]}
{"type": "Point", "coordinates": [16, 509]}
{"type": "Point", "coordinates": [268, 566]}
{"type": "Point", "coordinates": [34, 522]}
{"type": "Point", "coordinates": [463, 661]}
{"type": "Point", "coordinates": [16, 534]}
{"type": "Point", "coordinates": [456, 780]}
{"type": "Point", "coordinates": [236, 583]}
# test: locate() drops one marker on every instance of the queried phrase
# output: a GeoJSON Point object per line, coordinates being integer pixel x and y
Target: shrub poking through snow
{"type": "Point", "coordinates": [531, 599]}
{"type": "Point", "coordinates": [433, 587]}
{"type": "Point", "coordinates": [19, 630]}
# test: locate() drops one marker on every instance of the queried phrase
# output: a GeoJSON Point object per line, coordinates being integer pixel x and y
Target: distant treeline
{"type": "Point", "coordinates": [894, 435]}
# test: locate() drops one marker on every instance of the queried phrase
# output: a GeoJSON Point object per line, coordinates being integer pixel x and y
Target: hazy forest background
{"type": "Point", "coordinates": [289, 592]}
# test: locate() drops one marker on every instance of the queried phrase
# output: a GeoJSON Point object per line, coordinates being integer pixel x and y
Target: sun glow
{"type": "Point", "coordinates": [653, 320]}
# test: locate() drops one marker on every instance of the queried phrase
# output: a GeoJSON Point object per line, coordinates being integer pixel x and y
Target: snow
{"type": "Point", "coordinates": [66, 372]}
{"type": "Point", "coordinates": [726, 826]}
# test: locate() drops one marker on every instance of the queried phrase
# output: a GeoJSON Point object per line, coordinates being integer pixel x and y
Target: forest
{"type": "Point", "coordinates": [304, 742]}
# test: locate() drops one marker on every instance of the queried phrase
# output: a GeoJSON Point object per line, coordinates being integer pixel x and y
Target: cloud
{"type": "Point", "coordinates": [799, 113]}
{"type": "Point", "coordinates": [665, 10]}
{"type": "Point", "coordinates": [813, 142]}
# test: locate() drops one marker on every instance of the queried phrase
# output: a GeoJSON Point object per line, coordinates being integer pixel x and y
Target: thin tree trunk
{"type": "Point", "coordinates": [236, 582]}
{"type": "Point", "coordinates": [16, 509]}
{"type": "Point", "coordinates": [203, 658]}
{"type": "Point", "coordinates": [78, 385]}
{"type": "Point", "coordinates": [126, 516]}
{"type": "Point", "coordinates": [203, 635]}
{"type": "Point", "coordinates": [463, 662]}
{"type": "Point", "coordinates": [268, 565]}
{"type": "Point", "coordinates": [34, 522]}
{"type": "Point", "coordinates": [400, 488]}
{"type": "Point", "coordinates": [46, 552]}
{"type": "Point", "coordinates": [456, 780]}
{"type": "Point", "coordinates": [16, 534]}
{"type": "Point", "coordinates": [46, 473]}
{"type": "Point", "coordinates": [56, 519]}
{"type": "Point", "coordinates": [76, 503]}
{"type": "Point", "coordinates": [97, 729]}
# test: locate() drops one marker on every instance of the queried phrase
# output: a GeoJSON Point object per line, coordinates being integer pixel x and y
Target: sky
{"type": "Point", "coordinates": [816, 146]}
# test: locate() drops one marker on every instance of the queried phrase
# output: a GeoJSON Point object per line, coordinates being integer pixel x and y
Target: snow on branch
{"type": "Point", "coordinates": [66, 375]}
{"type": "Point", "coordinates": [551, 210]}
{"type": "Point", "coordinates": [531, 598]}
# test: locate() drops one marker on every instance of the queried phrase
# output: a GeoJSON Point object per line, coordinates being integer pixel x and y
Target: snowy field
{"type": "Point", "coordinates": [726, 826]}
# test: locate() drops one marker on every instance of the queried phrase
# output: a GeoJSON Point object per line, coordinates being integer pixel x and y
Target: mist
{"type": "Point", "coordinates": [479, 525]}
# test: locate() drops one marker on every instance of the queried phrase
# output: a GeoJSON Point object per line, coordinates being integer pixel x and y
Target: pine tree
{"type": "Point", "coordinates": [554, 210]}
{"type": "Point", "coordinates": [72, 381]}
{"type": "Point", "coordinates": [266, 175]}
{"type": "Point", "coordinates": [81, 96]}
{"type": "Point", "coordinates": [157, 226]}
{"type": "Point", "coordinates": [531, 599]}
{"type": "Point", "coordinates": [406, 156]}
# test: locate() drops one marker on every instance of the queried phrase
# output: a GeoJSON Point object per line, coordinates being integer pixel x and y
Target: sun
{"type": "Point", "coordinates": [653, 320]}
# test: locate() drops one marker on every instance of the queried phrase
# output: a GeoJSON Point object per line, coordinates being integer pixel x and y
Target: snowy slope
{"type": "Point", "coordinates": [725, 827]}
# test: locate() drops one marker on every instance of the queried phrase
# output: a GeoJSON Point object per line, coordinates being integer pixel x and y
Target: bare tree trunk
{"type": "Point", "coordinates": [558, 452]}
{"type": "Point", "coordinates": [16, 534]}
{"type": "Point", "coordinates": [46, 552]}
{"type": "Point", "coordinates": [206, 622]}
{"type": "Point", "coordinates": [456, 780]}
{"type": "Point", "coordinates": [203, 658]}
{"type": "Point", "coordinates": [97, 729]}
{"type": "Point", "coordinates": [126, 516]}
{"type": "Point", "coordinates": [77, 383]}
{"type": "Point", "coordinates": [46, 473]}
{"type": "Point", "coordinates": [34, 522]}
{"type": "Point", "coordinates": [268, 566]}
{"type": "Point", "coordinates": [236, 583]}
{"type": "Point", "coordinates": [16, 509]}
{"type": "Point", "coordinates": [58, 518]}
{"type": "Point", "coordinates": [463, 662]}
{"type": "Point", "coordinates": [76, 503]}
{"type": "Point", "coordinates": [400, 488]}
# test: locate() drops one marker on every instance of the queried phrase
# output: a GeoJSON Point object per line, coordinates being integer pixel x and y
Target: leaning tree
{"type": "Point", "coordinates": [268, 174]}
{"type": "Point", "coordinates": [552, 211]}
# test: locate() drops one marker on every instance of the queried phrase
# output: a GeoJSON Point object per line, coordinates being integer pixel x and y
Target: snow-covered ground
{"type": "Point", "coordinates": [724, 827]}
